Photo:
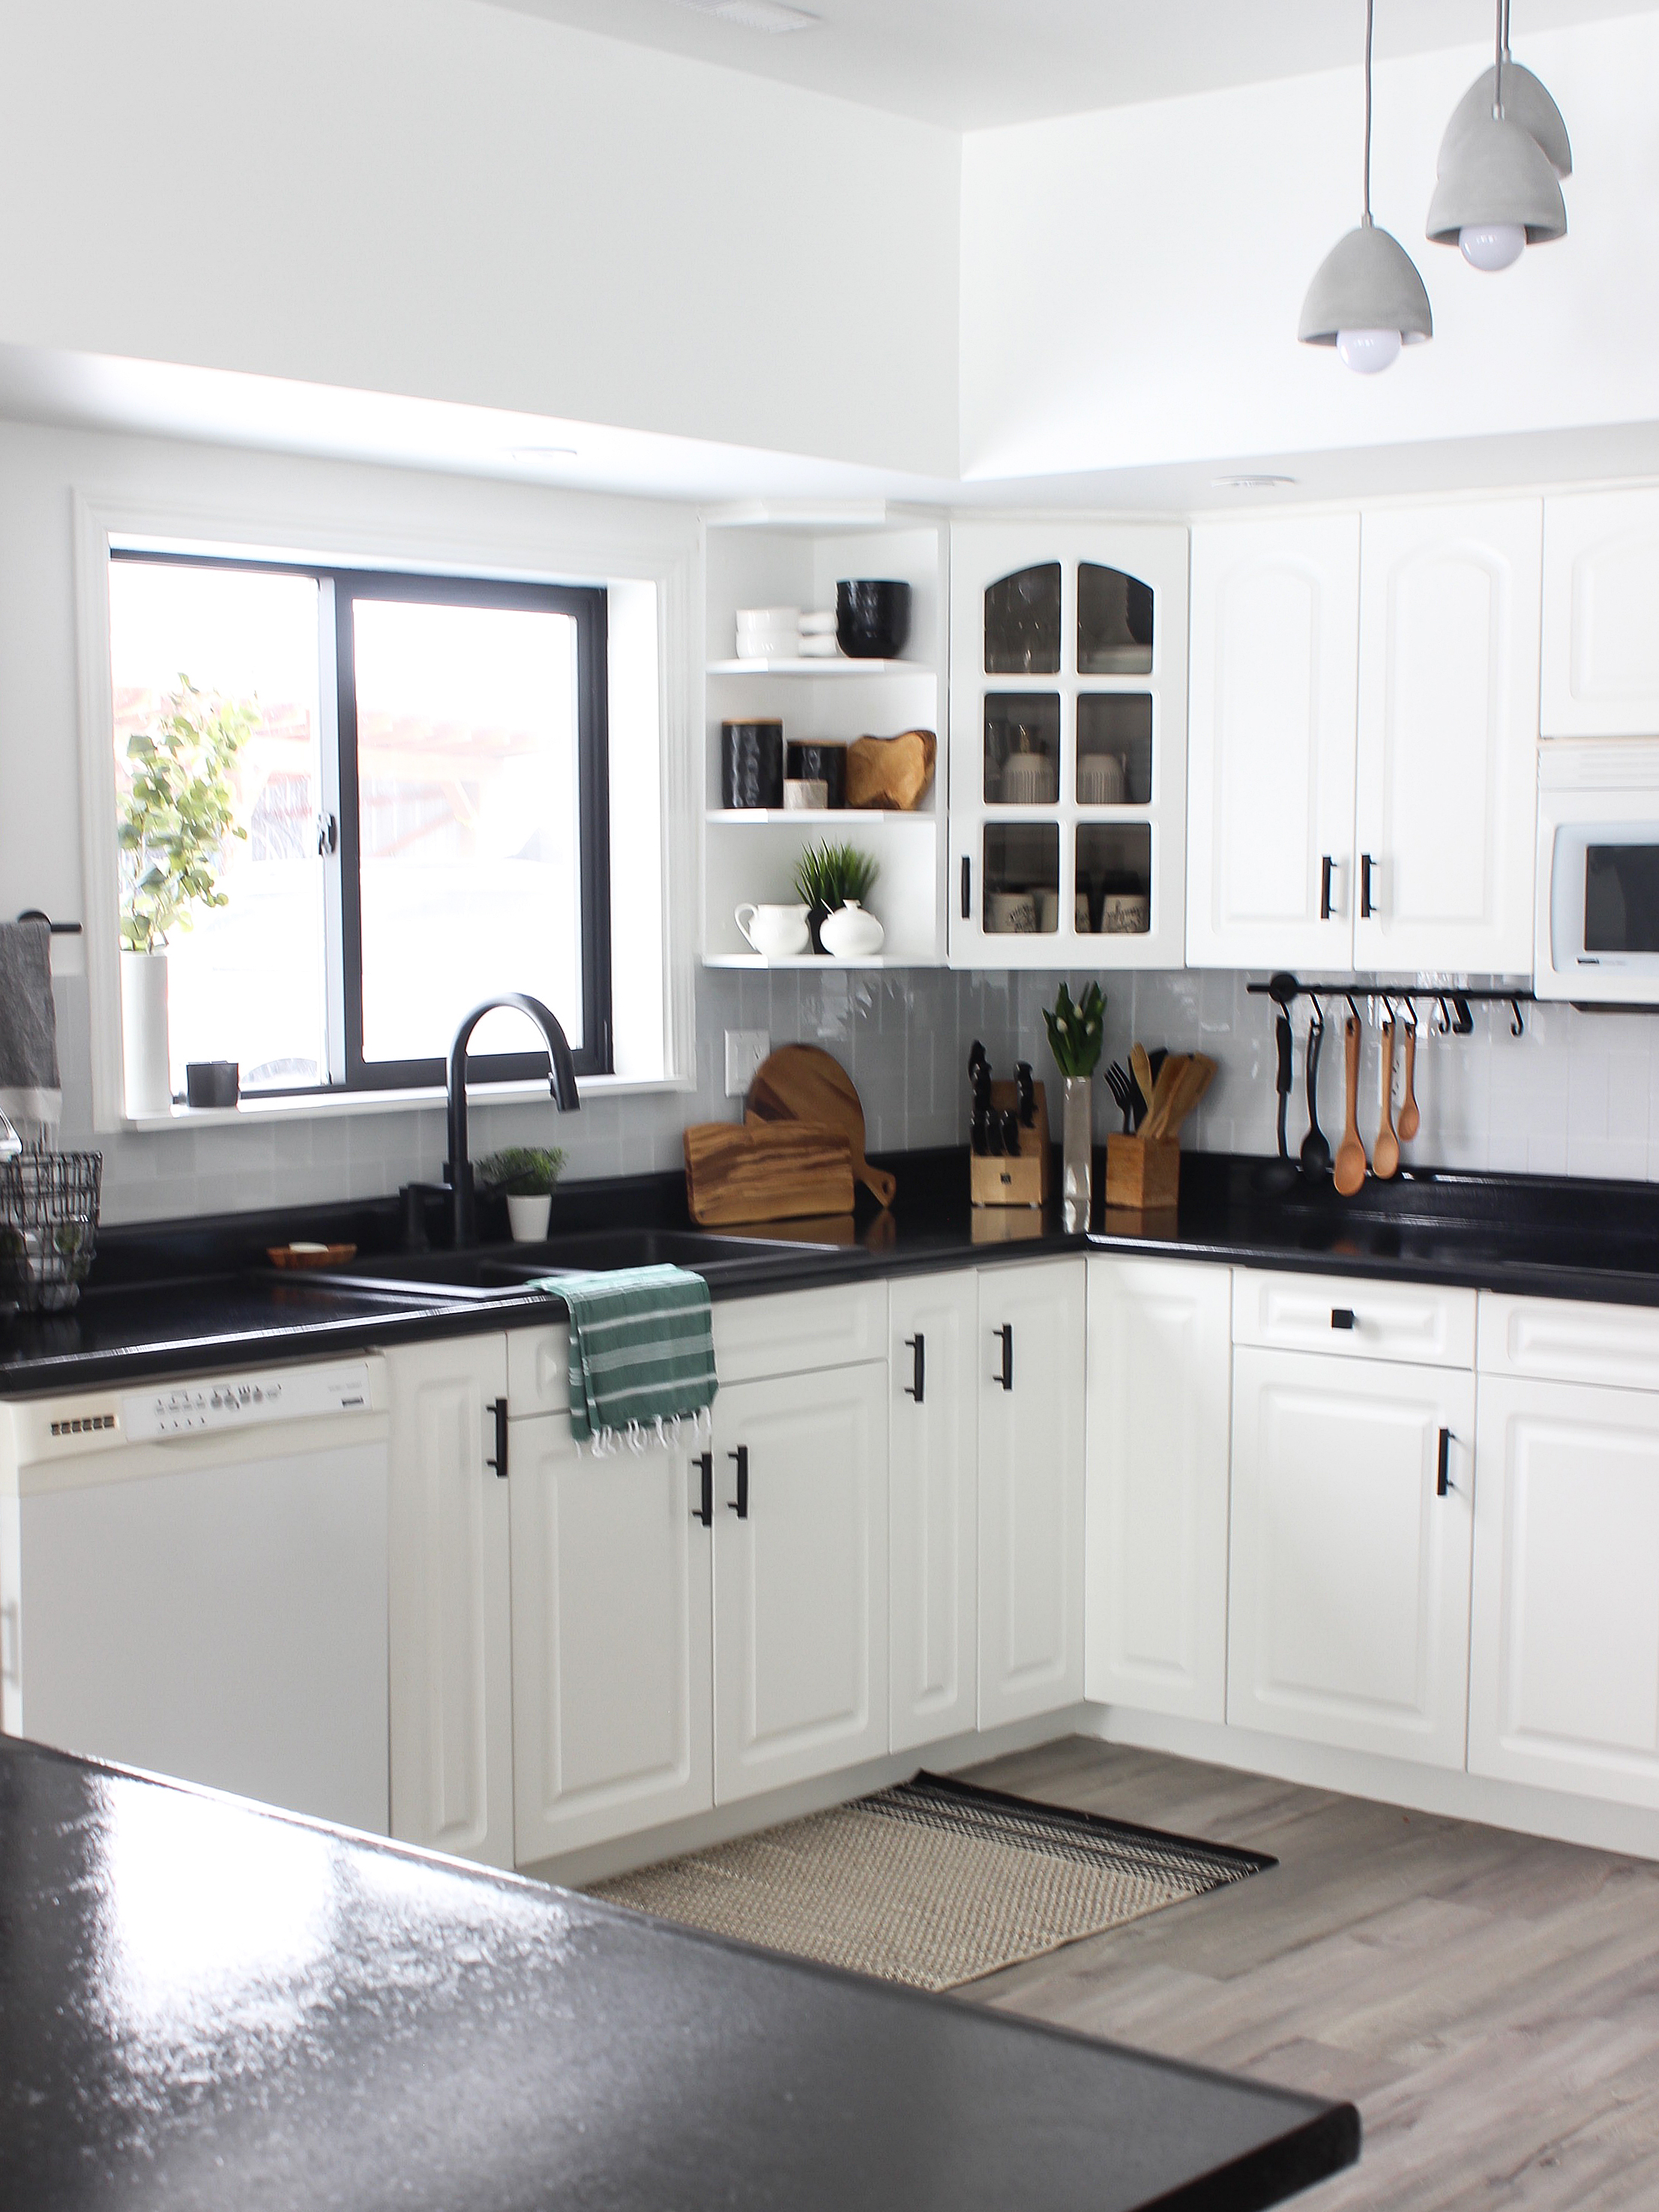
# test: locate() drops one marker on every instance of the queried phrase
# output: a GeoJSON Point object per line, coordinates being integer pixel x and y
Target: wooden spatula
{"type": "Point", "coordinates": [1141, 1069]}
{"type": "Point", "coordinates": [1349, 1171]}
{"type": "Point", "coordinates": [1194, 1075]}
{"type": "Point", "coordinates": [1410, 1120]}
{"type": "Point", "coordinates": [1385, 1153]}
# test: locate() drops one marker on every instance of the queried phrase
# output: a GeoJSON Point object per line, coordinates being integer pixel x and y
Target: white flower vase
{"type": "Point", "coordinates": [146, 1066]}
{"type": "Point", "coordinates": [527, 1217]}
{"type": "Point", "coordinates": [1076, 1150]}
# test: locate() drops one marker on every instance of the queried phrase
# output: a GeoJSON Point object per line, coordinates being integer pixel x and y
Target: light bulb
{"type": "Point", "coordinates": [1368, 352]}
{"type": "Point", "coordinates": [1492, 245]}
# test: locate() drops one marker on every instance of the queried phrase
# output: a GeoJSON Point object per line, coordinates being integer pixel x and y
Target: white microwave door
{"type": "Point", "coordinates": [1603, 917]}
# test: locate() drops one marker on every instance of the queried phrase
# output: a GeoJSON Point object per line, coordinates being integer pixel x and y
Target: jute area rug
{"type": "Point", "coordinates": [933, 1883]}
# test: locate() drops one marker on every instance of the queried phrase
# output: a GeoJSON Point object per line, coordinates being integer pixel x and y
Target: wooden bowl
{"type": "Point", "coordinates": [310, 1255]}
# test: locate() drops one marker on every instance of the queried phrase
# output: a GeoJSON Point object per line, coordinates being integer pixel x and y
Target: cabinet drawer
{"type": "Point", "coordinates": [1389, 1321]}
{"type": "Point", "coordinates": [1563, 1340]}
{"type": "Point", "coordinates": [799, 1329]}
{"type": "Point", "coordinates": [539, 1370]}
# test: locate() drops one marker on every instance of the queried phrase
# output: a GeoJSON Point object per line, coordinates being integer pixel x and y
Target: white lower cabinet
{"type": "Point", "coordinates": [1031, 1350]}
{"type": "Point", "coordinates": [1350, 1565]}
{"type": "Point", "coordinates": [1564, 1684]}
{"type": "Point", "coordinates": [1158, 1389]}
{"type": "Point", "coordinates": [448, 1602]}
{"type": "Point", "coordinates": [932, 1507]}
{"type": "Point", "coordinates": [800, 1576]}
{"type": "Point", "coordinates": [611, 1640]}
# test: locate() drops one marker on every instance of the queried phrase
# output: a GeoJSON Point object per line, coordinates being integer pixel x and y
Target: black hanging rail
{"type": "Point", "coordinates": [58, 928]}
{"type": "Point", "coordinates": [1454, 1003]}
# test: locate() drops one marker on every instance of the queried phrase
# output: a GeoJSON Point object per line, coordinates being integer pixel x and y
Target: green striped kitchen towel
{"type": "Point", "coordinates": [641, 1353]}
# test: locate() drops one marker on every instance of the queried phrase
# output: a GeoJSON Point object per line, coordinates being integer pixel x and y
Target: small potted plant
{"type": "Point", "coordinates": [524, 1174]}
{"type": "Point", "coordinates": [830, 876]}
{"type": "Point", "coordinates": [1075, 1039]}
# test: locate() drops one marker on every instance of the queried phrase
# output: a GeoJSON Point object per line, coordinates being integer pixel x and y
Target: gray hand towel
{"type": "Point", "coordinates": [29, 1086]}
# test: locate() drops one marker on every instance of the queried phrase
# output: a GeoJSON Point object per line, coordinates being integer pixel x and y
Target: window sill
{"type": "Point", "coordinates": [296, 1106]}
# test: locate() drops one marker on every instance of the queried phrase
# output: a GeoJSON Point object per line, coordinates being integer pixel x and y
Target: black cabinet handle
{"type": "Point", "coordinates": [704, 1462]}
{"type": "Point", "coordinates": [1366, 863]}
{"type": "Point", "coordinates": [740, 1505]}
{"type": "Point", "coordinates": [1344, 1317]}
{"type": "Point", "coordinates": [967, 888]}
{"type": "Point", "coordinates": [1006, 1374]}
{"type": "Point", "coordinates": [1326, 867]}
{"type": "Point", "coordinates": [1443, 1471]}
{"type": "Point", "coordinates": [498, 1407]}
{"type": "Point", "coordinates": [914, 1387]}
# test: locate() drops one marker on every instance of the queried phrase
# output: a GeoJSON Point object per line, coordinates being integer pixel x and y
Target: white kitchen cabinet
{"type": "Point", "coordinates": [1601, 644]}
{"type": "Point", "coordinates": [800, 1576]}
{"type": "Point", "coordinates": [1068, 744]}
{"type": "Point", "coordinates": [1032, 1351]}
{"type": "Point", "coordinates": [613, 1581]}
{"type": "Point", "coordinates": [1445, 791]}
{"type": "Point", "coordinates": [449, 1600]}
{"type": "Point", "coordinates": [932, 1507]}
{"type": "Point", "coordinates": [1275, 656]}
{"type": "Point", "coordinates": [1159, 1415]}
{"type": "Point", "coordinates": [1349, 1616]}
{"type": "Point", "coordinates": [1564, 1677]}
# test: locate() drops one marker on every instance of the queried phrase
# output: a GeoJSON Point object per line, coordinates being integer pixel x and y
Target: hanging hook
{"type": "Point", "coordinates": [1465, 1023]}
{"type": "Point", "coordinates": [1354, 1010]}
{"type": "Point", "coordinates": [1410, 1005]}
{"type": "Point", "coordinates": [1318, 1010]}
{"type": "Point", "coordinates": [1445, 1018]}
{"type": "Point", "coordinates": [1517, 1027]}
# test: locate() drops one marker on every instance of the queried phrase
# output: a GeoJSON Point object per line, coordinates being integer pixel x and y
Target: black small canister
{"type": "Point", "coordinates": [751, 763]}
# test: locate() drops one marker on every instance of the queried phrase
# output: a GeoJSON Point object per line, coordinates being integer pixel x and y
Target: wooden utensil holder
{"type": "Point", "coordinates": [1143, 1173]}
{"type": "Point", "coordinates": [1007, 1179]}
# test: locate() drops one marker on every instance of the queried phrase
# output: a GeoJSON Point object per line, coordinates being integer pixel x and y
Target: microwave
{"type": "Point", "coordinates": [1596, 940]}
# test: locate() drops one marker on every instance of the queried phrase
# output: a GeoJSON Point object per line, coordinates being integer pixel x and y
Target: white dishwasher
{"type": "Point", "coordinates": [193, 1580]}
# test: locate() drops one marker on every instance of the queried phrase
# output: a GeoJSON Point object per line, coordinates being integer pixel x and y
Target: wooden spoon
{"type": "Point", "coordinates": [1385, 1154]}
{"type": "Point", "coordinates": [1410, 1120]}
{"type": "Point", "coordinates": [1196, 1075]}
{"type": "Point", "coordinates": [1141, 1067]}
{"type": "Point", "coordinates": [1350, 1171]}
{"type": "Point", "coordinates": [1163, 1091]}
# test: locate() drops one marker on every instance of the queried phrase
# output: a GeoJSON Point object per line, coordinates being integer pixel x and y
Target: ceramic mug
{"type": "Point", "coordinates": [1124, 913]}
{"type": "Point", "coordinates": [1048, 910]}
{"type": "Point", "coordinates": [777, 932]}
{"type": "Point", "coordinates": [1102, 779]}
{"type": "Point", "coordinates": [1011, 914]}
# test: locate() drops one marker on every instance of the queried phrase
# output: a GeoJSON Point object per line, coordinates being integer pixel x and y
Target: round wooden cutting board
{"type": "Point", "coordinates": [799, 1082]}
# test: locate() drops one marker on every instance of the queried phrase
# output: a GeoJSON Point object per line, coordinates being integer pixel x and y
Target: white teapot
{"type": "Point", "coordinates": [777, 932]}
{"type": "Point", "coordinates": [850, 933]}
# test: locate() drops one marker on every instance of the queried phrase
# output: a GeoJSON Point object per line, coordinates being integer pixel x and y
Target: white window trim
{"type": "Point", "coordinates": [561, 552]}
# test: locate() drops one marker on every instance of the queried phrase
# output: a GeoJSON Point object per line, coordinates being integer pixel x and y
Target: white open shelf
{"type": "Point", "coordinates": [809, 818]}
{"type": "Point", "coordinates": [822, 962]}
{"type": "Point", "coordinates": [828, 666]}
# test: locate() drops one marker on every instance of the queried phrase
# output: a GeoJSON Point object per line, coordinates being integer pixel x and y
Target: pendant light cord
{"type": "Point", "coordinates": [1370, 11]}
{"type": "Point", "coordinates": [1503, 49]}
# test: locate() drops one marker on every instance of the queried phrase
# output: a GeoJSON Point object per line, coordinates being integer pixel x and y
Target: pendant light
{"type": "Point", "coordinates": [1501, 161]}
{"type": "Point", "coordinates": [1366, 298]}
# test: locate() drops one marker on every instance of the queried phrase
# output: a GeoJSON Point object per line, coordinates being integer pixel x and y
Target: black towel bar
{"type": "Point", "coordinates": [58, 928]}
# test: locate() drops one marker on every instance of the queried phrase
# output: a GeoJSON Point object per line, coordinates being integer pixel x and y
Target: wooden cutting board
{"type": "Point", "coordinates": [799, 1082]}
{"type": "Point", "coordinates": [778, 1172]}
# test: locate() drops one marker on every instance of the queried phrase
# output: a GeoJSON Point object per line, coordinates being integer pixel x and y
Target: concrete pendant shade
{"type": "Point", "coordinates": [1525, 102]}
{"type": "Point", "coordinates": [1497, 172]}
{"type": "Point", "coordinates": [1367, 281]}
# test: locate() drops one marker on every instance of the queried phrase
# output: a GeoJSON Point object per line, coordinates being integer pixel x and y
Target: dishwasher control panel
{"type": "Point", "coordinates": [244, 1402]}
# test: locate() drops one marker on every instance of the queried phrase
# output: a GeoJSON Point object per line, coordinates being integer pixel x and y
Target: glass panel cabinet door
{"type": "Point", "coordinates": [1022, 622]}
{"type": "Point", "coordinates": [1114, 622]}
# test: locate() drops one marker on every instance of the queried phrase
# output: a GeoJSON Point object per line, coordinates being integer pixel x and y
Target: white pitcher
{"type": "Point", "coordinates": [777, 932]}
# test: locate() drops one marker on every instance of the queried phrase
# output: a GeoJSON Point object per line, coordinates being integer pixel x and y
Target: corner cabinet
{"type": "Point", "coordinates": [1601, 651]}
{"type": "Point", "coordinates": [1068, 745]}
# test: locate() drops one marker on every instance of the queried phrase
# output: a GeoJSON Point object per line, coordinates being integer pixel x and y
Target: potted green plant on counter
{"type": "Point", "coordinates": [1075, 1038]}
{"type": "Point", "coordinates": [524, 1174]}
{"type": "Point", "coordinates": [829, 877]}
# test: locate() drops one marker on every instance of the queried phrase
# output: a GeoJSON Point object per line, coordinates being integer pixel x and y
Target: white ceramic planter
{"type": "Point", "coordinates": [146, 1068]}
{"type": "Point", "coordinates": [527, 1217]}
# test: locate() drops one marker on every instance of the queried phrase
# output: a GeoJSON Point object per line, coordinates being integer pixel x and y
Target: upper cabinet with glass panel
{"type": "Point", "coordinates": [1115, 616]}
{"type": "Point", "coordinates": [1022, 623]}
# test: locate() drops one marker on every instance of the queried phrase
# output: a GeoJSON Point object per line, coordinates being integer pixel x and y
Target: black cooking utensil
{"type": "Point", "coordinates": [1027, 1093]}
{"type": "Point", "coordinates": [1121, 1084]}
{"type": "Point", "coordinates": [1011, 1132]}
{"type": "Point", "coordinates": [1282, 1082]}
{"type": "Point", "coordinates": [1315, 1151]}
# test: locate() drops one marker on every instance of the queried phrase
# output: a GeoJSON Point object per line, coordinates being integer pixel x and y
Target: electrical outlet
{"type": "Point", "coordinates": [745, 1051]}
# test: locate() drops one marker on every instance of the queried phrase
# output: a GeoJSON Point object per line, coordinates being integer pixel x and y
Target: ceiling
{"type": "Point", "coordinates": [969, 65]}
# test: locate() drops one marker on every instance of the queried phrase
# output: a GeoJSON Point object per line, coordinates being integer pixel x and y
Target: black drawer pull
{"type": "Point", "coordinates": [1005, 1373]}
{"type": "Point", "coordinates": [967, 888]}
{"type": "Point", "coordinates": [498, 1407]}
{"type": "Point", "coordinates": [1344, 1317]}
{"type": "Point", "coordinates": [1442, 1481]}
{"type": "Point", "coordinates": [1325, 868]}
{"type": "Point", "coordinates": [704, 1462]}
{"type": "Point", "coordinates": [740, 1505]}
{"type": "Point", "coordinates": [1366, 863]}
{"type": "Point", "coordinates": [915, 1386]}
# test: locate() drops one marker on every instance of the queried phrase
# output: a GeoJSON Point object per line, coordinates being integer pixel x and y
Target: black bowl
{"type": "Point", "coordinates": [872, 619]}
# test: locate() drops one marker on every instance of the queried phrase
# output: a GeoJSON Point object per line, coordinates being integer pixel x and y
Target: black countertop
{"type": "Point", "coordinates": [198, 1296]}
{"type": "Point", "coordinates": [204, 2004]}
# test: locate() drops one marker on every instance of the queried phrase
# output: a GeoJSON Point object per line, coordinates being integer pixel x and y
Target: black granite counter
{"type": "Point", "coordinates": [205, 2005]}
{"type": "Point", "coordinates": [197, 1297]}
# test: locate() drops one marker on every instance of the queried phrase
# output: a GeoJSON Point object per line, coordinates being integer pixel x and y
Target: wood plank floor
{"type": "Point", "coordinates": [1490, 2002]}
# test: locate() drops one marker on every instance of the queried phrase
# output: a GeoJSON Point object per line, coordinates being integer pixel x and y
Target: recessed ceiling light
{"type": "Point", "coordinates": [756, 14]}
{"type": "Point", "coordinates": [1250, 484]}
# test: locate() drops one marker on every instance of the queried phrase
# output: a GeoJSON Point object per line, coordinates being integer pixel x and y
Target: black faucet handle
{"type": "Point", "coordinates": [414, 1196]}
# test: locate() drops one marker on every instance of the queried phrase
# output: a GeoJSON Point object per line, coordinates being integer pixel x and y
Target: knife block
{"type": "Point", "coordinates": [1143, 1173]}
{"type": "Point", "coordinates": [1005, 1179]}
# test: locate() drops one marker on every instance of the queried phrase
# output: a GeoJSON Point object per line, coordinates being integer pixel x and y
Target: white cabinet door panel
{"type": "Point", "coordinates": [449, 1602]}
{"type": "Point", "coordinates": [1160, 1367]}
{"type": "Point", "coordinates": [1350, 1587]}
{"type": "Point", "coordinates": [1564, 1680]}
{"type": "Point", "coordinates": [1031, 1487]}
{"type": "Point", "coordinates": [800, 1578]}
{"type": "Point", "coordinates": [1569, 1340]}
{"type": "Point", "coordinates": [611, 1640]}
{"type": "Point", "coordinates": [1446, 781]}
{"type": "Point", "coordinates": [1600, 651]}
{"type": "Point", "coordinates": [933, 1509]}
{"type": "Point", "coordinates": [1275, 650]}
{"type": "Point", "coordinates": [838, 1326]}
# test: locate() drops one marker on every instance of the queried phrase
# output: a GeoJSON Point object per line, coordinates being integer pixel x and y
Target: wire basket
{"type": "Point", "coordinates": [48, 1227]}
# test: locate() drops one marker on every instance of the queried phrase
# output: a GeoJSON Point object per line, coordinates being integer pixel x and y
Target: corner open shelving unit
{"type": "Point", "coordinates": [762, 556]}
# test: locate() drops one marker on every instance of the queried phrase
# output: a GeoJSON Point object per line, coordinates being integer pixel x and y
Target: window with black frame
{"type": "Point", "coordinates": [413, 771]}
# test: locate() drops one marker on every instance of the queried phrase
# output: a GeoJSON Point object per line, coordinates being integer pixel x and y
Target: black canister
{"type": "Point", "coordinates": [751, 763]}
{"type": "Point", "coordinates": [811, 761]}
{"type": "Point", "coordinates": [212, 1083]}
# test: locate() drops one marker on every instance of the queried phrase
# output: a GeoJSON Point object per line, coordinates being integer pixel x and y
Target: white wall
{"type": "Point", "coordinates": [458, 202]}
{"type": "Point", "coordinates": [1131, 280]}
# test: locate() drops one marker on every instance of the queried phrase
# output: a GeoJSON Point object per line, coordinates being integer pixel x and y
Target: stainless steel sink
{"type": "Point", "coordinates": [497, 1272]}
